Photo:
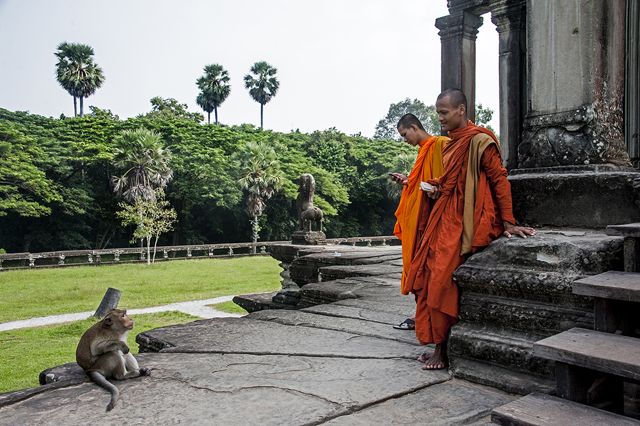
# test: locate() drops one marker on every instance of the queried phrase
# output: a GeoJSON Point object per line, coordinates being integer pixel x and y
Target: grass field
{"type": "Point", "coordinates": [24, 353]}
{"type": "Point", "coordinates": [35, 293]}
{"type": "Point", "coordinates": [229, 307]}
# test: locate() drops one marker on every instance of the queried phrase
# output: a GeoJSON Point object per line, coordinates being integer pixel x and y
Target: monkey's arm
{"type": "Point", "coordinates": [105, 346]}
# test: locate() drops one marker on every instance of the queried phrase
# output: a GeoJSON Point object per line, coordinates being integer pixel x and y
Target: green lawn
{"type": "Point", "coordinates": [41, 292]}
{"type": "Point", "coordinates": [25, 353]}
{"type": "Point", "coordinates": [229, 307]}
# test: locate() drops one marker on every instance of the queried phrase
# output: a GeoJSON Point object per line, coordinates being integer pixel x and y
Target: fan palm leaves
{"type": "Point", "coordinates": [214, 89]}
{"type": "Point", "coordinates": [77, 73]}
{"type": "Point", "coordinates": [260, 178]}
{"type": "Point", "coordinates": [262, 84]}
{"type": "Point", "coordinates": [139, 153]}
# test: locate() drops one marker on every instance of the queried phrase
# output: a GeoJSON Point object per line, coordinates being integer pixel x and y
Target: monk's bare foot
{"type": "Point", "coordinates": [424, 357]}
{"type": "Point", "coordinates": [437, 361]}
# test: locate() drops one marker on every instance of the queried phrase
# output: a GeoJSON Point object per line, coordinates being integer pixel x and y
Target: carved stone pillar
{"type": "Point", "coordinates": [509, 17]}
{"type": "Point", "coordinates": [458, 34]}
{"type": "Point", "coordinates": [632, 87]}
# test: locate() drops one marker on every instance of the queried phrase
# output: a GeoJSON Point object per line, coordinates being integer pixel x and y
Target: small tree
{"type": "Point", "coordinates": [260, 179]}
{"type": "Point", "coordinates": [152, 218]}
{"type": "Point", "coordinates": [77, 73]}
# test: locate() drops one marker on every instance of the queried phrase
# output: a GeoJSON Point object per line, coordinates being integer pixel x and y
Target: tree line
{"type": "Point", "coordinates": [63, 181]}
{"type": "Point", "coordinates": [80, 76]}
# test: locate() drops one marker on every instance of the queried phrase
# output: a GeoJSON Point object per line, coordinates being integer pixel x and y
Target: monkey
{"type": "Point", "coordinates": [103, 353]}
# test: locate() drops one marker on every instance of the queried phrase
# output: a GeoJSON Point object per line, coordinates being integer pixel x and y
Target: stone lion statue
{"type": "Point", "coordinates": [308, 214]}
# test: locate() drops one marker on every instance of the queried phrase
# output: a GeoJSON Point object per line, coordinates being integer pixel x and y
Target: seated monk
{"type": "Point", "coordinates": [412, 210]}
{"type": "Point", "coordinates": [472, 208]}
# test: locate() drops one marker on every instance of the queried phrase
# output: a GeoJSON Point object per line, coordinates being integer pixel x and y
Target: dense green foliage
{"type": "Point", "coordinates": [68, 164]}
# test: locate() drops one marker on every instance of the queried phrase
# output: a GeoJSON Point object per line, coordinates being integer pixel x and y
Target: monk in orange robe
{"type": "Point", "coordinates": [472, 208]}
{"type": "Point", "coordinates": [412, 210]}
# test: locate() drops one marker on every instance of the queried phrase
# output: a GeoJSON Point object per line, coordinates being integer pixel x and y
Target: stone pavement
{"type": "Point", "coordinates": [337, 363]}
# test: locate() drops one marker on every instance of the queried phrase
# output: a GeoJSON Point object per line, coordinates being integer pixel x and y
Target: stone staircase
{"type": "Point", "coordinates": [596, 367]}
{"type": "Point", "coordinates": [518, 291]}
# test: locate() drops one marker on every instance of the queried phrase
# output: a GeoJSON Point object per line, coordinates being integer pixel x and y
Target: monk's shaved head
{"type": "Point", "coordinates": [455, 96]}
{"type": "Point", "coordinates": [408, 120]}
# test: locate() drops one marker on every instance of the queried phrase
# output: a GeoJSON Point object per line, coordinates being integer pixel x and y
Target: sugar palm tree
{"type": "Point", "coordinates": [260, 179]}
{"type": "Point", "coordinates": [214, 89]}
{"type": "Point", "coordinates": [263, 85]}
{"type": "Point", "coordinates": [145, 164]}
{"type": "Point", "coordinates": [77, 73]}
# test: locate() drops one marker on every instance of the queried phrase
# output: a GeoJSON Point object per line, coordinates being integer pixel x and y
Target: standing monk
{"type": "Point", "coordinates": [472, 208]}
{"type": "Point", "coordinates": [413, 207]}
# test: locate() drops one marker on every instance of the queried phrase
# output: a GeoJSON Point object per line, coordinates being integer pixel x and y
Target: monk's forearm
{"type": "Point", "coordinates": [497, 176]}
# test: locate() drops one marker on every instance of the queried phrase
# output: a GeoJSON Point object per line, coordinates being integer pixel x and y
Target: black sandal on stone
{"type": "Point", "coordinates": [408, 324]}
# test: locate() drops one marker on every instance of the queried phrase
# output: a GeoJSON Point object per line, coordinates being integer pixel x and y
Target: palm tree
{"type": "Point", "coordinates": [77, 73]}
{"type": "Point", "coordinates": [214, 89]}
{"type": "Point", "coordinates": [145, 164]}
{"type": "Point", "coordinates": [263, 85]}
{"type": "Point", "coordinates": [260, 178]}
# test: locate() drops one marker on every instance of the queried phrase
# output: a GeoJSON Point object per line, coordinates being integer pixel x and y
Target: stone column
{"type": "Point", "coordinates": [632, 87]}
{"type": "Point", "coordinates": [575, 84]}
{"type": "Point", "coordinates": [509, 18]}
{"type": "Point", "coordinates": [458, 34]}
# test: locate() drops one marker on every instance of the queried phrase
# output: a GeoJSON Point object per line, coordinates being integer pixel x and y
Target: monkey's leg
{"type": "Point", "coordinates": [119, 371]}
{"type": "Point", "coordinates": [131, 364]}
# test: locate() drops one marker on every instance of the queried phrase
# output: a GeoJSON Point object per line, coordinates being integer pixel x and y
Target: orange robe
{"type": "Point", "coordinates": [451, 235]}
{"type": "Point", "coordinates": [412, 209]}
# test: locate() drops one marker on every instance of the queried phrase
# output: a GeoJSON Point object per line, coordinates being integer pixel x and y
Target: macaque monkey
{"type": "Point", "coordinates": [103, 353]}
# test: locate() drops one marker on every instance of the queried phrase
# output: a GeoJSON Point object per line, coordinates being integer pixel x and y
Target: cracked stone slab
{"type": "Point", "coordinates": [452, 403]}
{"type": "Point", "coordinates": [231, 389]}
{"type": "Point", "coordinates": [363, 312]}
{"type": "Point", "coordinates": [245, 335]}
{"type": "Point", "coordinates": [348, 325]}
{"type": "Point", "coordinates": [400, 303]}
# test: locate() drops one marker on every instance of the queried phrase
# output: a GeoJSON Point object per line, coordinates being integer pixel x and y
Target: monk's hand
{"type": "Point", "coordinates": [521, 231]}
{"type": "Point", "coordinates": [433, 192]}
{"type": "Point", "coordinates": [399, 178]}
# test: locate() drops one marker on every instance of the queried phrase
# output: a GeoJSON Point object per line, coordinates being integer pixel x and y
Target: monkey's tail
{"type": "Point", "coordinates": [101, 381]}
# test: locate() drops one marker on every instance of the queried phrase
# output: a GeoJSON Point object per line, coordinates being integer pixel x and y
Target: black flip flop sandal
{"type": "Point", "coordinates": [407, 324]}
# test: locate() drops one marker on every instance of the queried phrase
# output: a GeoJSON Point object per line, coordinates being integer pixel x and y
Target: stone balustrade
{"type": "Point", "coordinates": [138, 254]}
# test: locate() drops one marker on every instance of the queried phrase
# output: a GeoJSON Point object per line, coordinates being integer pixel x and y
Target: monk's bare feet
{"type": "Point", "coordinates": [437, 361]}
{"type": "Point", "coordinates": [424, 358]}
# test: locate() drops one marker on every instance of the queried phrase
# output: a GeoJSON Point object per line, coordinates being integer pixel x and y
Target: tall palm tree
{"type": "Point", "coordinates": [214, 89]}
{"type": "Point", "coordinates": [260, 178]}
{"type": "Point", "coordinates": [144, 161]}
{"type": "Point", "coordinates": [77, 73]}
{"type": "Point", "coordinates": [263, 85]}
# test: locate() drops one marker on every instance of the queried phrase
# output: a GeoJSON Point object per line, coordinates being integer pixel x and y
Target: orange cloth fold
{"type": "Point", "coordinates": [410, 214]}
{"type": "Point", "coordinates": [439, 252]}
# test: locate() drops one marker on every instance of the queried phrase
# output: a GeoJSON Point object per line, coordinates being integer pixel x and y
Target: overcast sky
{"type": "Point", "coordinates": [340, 63]}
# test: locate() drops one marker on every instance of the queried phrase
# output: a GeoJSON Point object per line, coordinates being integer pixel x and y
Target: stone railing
{"type": "Point", "coordinates": [138, 254]}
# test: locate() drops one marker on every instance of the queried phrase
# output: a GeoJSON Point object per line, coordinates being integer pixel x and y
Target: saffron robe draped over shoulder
{"type": "Point", "coordinates": [474, 203]}
{"type": "Point", "coordinates": [412, 213]}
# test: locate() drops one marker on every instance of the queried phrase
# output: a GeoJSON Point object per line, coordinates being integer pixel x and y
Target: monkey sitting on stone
{"type": "Point", "coordinates": [103, 353]}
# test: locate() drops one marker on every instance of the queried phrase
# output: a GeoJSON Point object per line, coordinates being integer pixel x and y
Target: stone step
{"type": "Point", "coordinates": [614, 285]}
{"type": "Point", "coordinates": [544, 410]}
{"type": "Point", "coordinates": [594, 350]}
{"type": "Point", "coordinates": [563, 251]}
{"type": "Point", "coordinates": [488, 374]}
{"type": "Point", "coordinates": [507, 349]}
{"type": "Point", "coordinates": [258, 302]}
{"type": "Point", "coordinates": [336, 272]}
{"type": "Point", "coordinates": [535, 318]}
{"type": "Point", "coordinates": [522, 284]}
{"type": "Point", "coordinates": [628, 230]}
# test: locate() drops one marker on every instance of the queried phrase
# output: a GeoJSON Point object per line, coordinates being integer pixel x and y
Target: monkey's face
{"type": "Point", "coordinates": [118, 319]}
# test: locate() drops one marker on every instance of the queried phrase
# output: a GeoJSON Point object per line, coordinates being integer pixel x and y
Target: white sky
{"type": "Point", "coordinates": [340, 63]}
